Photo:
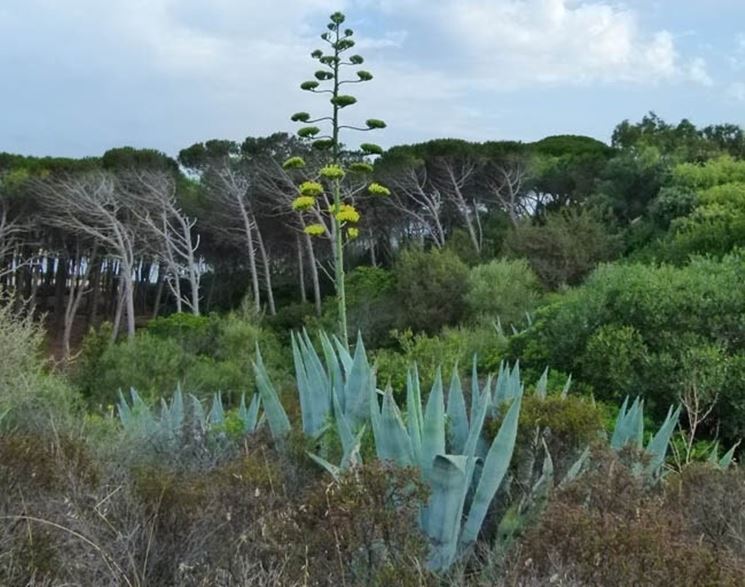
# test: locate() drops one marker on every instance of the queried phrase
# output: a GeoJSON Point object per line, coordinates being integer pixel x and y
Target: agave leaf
{"type": "Point", "coordinates": [353, 458]}
{"type": "Point", "coordinates": [249, 416]}
{"type": "Point", "coordinates": [541, 388]}
{"type": "Point", "coordinates": [331, 468]}
{"type": "Point", "coordinates": [657, 447]}
{"type": "Point", "coordinates": [414, 412]}
{"type": "Point", "coordinates": [433, 425]}
{"type": "Point", "coordinates": [449, 482]}
{"type": "Point", "coordinates": [200, 418]}
{"type": "Point", "coordinates": [567, 387]}
{"type": "Point", "coordinates": [216, 416]}
{"type": "Point", "coordinates": [495, 466]}
{"type": "Point", "coordinates": [618, 440]}
{"type": "Point", "coordinates": [393, 442]}
{"type": "Point", "coordinates": [575, 469]}
{"type": "Point", "coordinates": [359, 377]}
{"type": "Point", "coordinates": [457, 416]}
{"type": "Point", "coordinates": [726, 460]}
{"type": "Point", "coordinates": [279, 423]}
{"type": "Point", "coordinates": [312, 385]}
{"type": "Point", "coordinates": [176, 410]}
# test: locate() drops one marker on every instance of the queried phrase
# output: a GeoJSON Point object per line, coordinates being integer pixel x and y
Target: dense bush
{"type": "Point", "coordinates": [452, 347]}
{"type": "Point", "coordinates": [430, 287]}
{"type": "Point", "coordinates": [205, 354]}
{"type": "Point", "coordinates": [564, 247]}
{"type": "Point", "coordinates": [502, 289]}
{"type": "Point", "coordinates": [633, 328]}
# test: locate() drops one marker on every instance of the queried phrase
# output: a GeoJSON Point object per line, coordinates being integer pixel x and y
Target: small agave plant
{"type": "Point", "coordinates": [629, 431]}
{"type": "Point", "coordinates": [167, 426]}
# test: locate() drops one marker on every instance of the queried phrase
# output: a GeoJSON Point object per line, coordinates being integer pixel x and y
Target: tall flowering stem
{"type": "Point", "coordinates": [335, 216]}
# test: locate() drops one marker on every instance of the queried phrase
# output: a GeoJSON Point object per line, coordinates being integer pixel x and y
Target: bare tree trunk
{"type": "Point", "coordinates": [251, 256]}
{"type": "Point", "coordinates": [95, 293]}
{"type": "Point", "coordinates": [301, 270]}
{"type": "Point", "coordinates": [314, 274]}
{"type": "Point", "coordinates": [267, 271]}
{"type": "Point", "coordinates": [118, 312]}
{"type": "Point", "coordinates": [159, 290]}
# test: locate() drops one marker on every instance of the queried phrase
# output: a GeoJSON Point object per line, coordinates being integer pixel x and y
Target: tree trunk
{"type": "Point", "coordinates": [301, 270]}
{"type": "Point", "coordinates": [159, 290]}
{"type": "Point", "coordinates": [314, 274]}
{"type": "Point", "coordinates": [248, 231]}
{"type": "Point", "coordinates": [267, 272]}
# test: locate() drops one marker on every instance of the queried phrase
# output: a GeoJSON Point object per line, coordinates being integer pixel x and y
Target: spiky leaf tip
{"type": "Point", "coordinates": [315, 230]}
{"type": "Point", "coordinates": [371, 148]}
{"type": "Point", "coordinates": [309, 86]}
{"type": "Point", "coordinates": [294, 163]}
{"type": "Point", "coordinates": [378, 190]}
{"type": "Point", "coordinates": [312, 189]}
{"type": "Point", "coordinates": [308, 131]}
{"type": "Point", "coordinates": [300, 117]}
{"type": "Point", "coordinates": [332, 172]}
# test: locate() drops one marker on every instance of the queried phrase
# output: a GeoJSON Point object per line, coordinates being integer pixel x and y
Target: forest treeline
{"type": "Point", "coordinates": [135, 233]}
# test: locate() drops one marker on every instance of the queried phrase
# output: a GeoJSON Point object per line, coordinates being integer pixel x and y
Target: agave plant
{"type": "Point", "coordinates": [461, 470]}
{"type": "Point", "coordinates": [335, 390]}
{"type": "Point", "coordinates": [629, 431]}
{"type": "Point", "coordinates": [168, 426]}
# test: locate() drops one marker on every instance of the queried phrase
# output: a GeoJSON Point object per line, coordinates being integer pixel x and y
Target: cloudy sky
{"type": "Point", "coordinates": [81, 76]}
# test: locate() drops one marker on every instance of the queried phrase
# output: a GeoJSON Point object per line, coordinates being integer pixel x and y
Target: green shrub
{"type": "Point", "coordinates": [502, 289]}
{"type": "Point", "coordinates": [431, 287]}
{"type": "Point", "coordinates": [204, 354]}
{"type": "Point", "coordinates": [453, 346]}
{"type": "Point", "coordinates": [635, 328]}
{"type": "Point", "coordinates": [564, 248]}
{"type": "Point", "coordinates": [31, 397]}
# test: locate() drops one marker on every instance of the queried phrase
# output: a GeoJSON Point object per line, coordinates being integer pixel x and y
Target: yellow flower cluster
{"type": "Point", "coordinates": [315, 230]}
{"type": "Point", "coordinates": [332, 172]}
{"type": "Point", "coordinates": [312, 189]}
{"type": "Point", "coordinates": [353, 233]}
{"type": "Point", "coordinates": [347, 213]}
{"type": "Point", "coordinates": [378, 190]}
{"type": "Point", "coordinates": [302, 203]}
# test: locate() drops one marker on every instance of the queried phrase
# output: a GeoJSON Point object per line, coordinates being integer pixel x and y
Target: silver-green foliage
{"type": "Point", "coordinates": [462, 471]}
{"type": "Point", "coordinates": [335, 389]}
{"type": "Point", "coordinates": [183, 415]}
{"type": "Point", "coordinates": [629, 431]}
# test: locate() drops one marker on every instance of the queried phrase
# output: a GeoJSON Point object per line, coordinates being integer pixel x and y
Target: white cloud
{"type": "Point", "coordinates": [522, 42]}
{"type": "Point", "coordinates": [736, 91]}
{"type": "Point", "coordinates": [698, 72]}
